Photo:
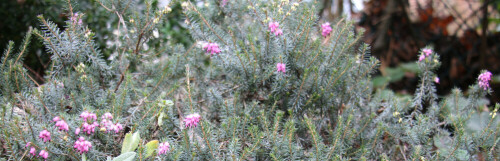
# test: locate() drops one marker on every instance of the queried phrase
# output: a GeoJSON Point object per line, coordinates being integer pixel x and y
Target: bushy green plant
{"type": "Point", "coordinates": [263, 81]}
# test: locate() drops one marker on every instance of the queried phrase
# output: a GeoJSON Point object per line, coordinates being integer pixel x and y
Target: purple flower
{"type": "Point", "coordinates": [163, 148]}
{"type": "Point", "coordinates": [44, 154]}
{"type": "Point", "coordinates": [484, 79]}
{"type": "Point", "coordinates": [192, 120]}
{"type": "Point", "coordinates": [82, 146]}
{"type": "Point", "coordinates": [211, 48]}
{"type": "Point", "coordinates": [62, 125]}
{"type": "Point", "coordinates": [326, 29]}
{"type": "Point", "coordinates": [281, 67]}
{"type": "Point", "coordinates": [44, 135]}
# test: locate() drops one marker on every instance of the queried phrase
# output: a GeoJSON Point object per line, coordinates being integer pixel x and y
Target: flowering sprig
{"type": "Point", "coordinates": [281, 67]}
{"type": "Point", "coordinates": [82, 145]}
{"type": "Point", "coordinates": [484, 80]}
{"type": "Point", "coordinates": [88, 115]}
{"type": "Point", "coordinates": [425, 53]}
{"type": "Point", "coordinates": [192, 120]}
{"type": "Point", "coordinates": [61, 124]}
{"type": "Point", "coordinates": [211, 48]}
{"type": "Point", "coordinates": [163, 148]}
{"type": "Point", "coordinates": [274, 28]}
{"type": "Point", "coordinates": [45, 136]}
{"type": "Point", "coordinates": [44, 154]}
{"type": "Point", "coordinates": [326, 29]}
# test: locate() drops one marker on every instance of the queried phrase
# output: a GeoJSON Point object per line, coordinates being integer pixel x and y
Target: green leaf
{"type": "Point", "coordinates": [84, 158]}
{"type": "Point", "coordinates": [130, 142]}
{"type": "Point", "coordinates": [160, 119]}
{"type": "Point", "coordinates": [151, 147]}
{"type": "Point", "coordinates": [128, 156]}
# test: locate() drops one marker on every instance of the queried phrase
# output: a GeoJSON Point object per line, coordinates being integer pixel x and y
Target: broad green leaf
{"type": "Point", "coordinates": [128, 156]}
{"type": "Point", "coordinates": [151, 147]}
{"type": "Point", "coordinates": [130, 142]}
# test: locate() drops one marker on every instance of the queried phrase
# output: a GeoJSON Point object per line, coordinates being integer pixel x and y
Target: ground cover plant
{"type": "Point", "coordinates": [264, 80]}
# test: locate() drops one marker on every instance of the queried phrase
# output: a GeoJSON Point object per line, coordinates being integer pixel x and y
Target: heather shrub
{"type": "Point", "coordinates": [263, 80]}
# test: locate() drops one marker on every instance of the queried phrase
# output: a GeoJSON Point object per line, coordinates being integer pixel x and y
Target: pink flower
{"type": "Point", "coordinates": [106, 124]}
{"type": "Point", "coordinates": [484, 79]}
{"type": "Point", "coordinates": [44, 135]}
{"type": "Point", "coordinates": [326, 29]}
{"type": "Point", "coordinates": [33, 151]}
{"type": "Point", "coordinates": [77, 131]}
{"type": "Point", "coordinates": [211, 48]}
{"type": "Point", "coordinates": [436, 80]}
{"type": "Point", "coordinates": [63, 126]}
{"type": "Point", "coordinates": [422, 57]}
{"type": "Point", "coordinates": [281, 67]}
{"type": "Point", "coordinates": [44, 154]}
{"type": "Point", "coordinates": [224, 2]}
{"type": "Point", "coordinates": [55, 119]}
{"type": "Point", "coordinates": [89, 128]}
{"type": "Point", "coordinates": [273, 26]}
{"type": "Point", "coordinates": [82, 146]}
{"type": "Point", "coordinates": [427, 52]}
{"type": "Point", "coordinates": [86, 115]}
{"type": "Point", "coordinates": [278, 32]}
{"type": "Point", "coordinates": [116, 127]}
{"type": "Point", "coordinates": [75, 19]}
{"type": "Point", "coordinates": [28, 144]}
{"type": "Point", "coordinates": [163, 148]}
{"type": "Point", "coordinates": [107, 115]}
{"type": "Point", "coordinates": [192, 120]}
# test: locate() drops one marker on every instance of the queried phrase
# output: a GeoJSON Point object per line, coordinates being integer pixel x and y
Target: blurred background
{"type": "Point", "coordinates": [465, 33]}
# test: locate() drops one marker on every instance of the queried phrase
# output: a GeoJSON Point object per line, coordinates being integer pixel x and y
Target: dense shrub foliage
{"type": "Point", "coordinates": [264, 80]}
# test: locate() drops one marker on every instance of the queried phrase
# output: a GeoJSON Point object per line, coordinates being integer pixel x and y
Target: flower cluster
{"type": "Point", "coordinates": [274, 28]}
{"type": "Point", "coordinates": [88, 115]}
{"type": "Point", "coordinates": [89, 128]}
{"type": "Point", "coordinates": [326, 29]}
{"type": "Point", "coordinates": [105, 125]}
{"type": "Point", "coordinates": [82, 145]}
{"type": "Point", "coordinates": [76, 19]}
{"type": "Point", "coordinates": [425, 53]}
{"type": "Point", "coordinates": [44, 135]}
{"type": "Point", "coordinates": [211, 48]}
{"type": "Point", "coordinates": [281, 67]}
{"type": "Point", "coordinates": [61, 124]}
{"type": "Point", "coordinates": [44, 154]}
{"type": "Point", "coordinates": [163, 148]}
{"type": "Point", "coordinates": [484, 79]}
{"type": "Point", "coordinates": [192, 120]}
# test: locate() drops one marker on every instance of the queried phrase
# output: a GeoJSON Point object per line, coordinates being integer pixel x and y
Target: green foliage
{"type": "Point", "coordinates": [324, 107]}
